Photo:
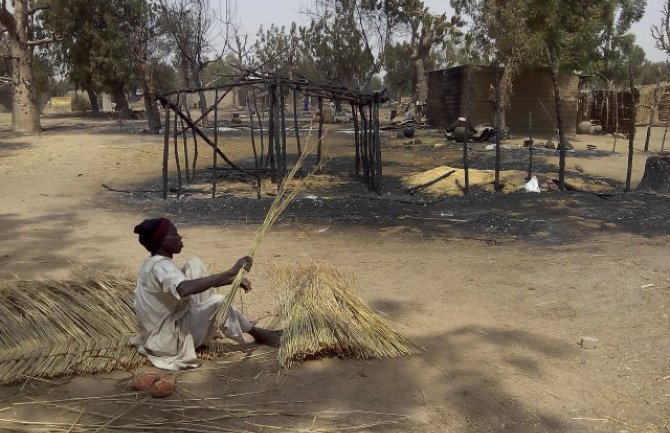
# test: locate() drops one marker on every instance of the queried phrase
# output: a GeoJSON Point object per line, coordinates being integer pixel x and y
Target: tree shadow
{"type": "Point", "coordinates": [42, 241]}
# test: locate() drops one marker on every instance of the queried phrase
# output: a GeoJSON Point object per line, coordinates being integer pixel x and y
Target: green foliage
{"type": "Point", "coordinates": [43, 73]}
{"type": "Point", "coordinates": [94, 47]}
{"type": "Point", "coordinates": [650, 72]}
{"type": "Point", "coordinates": [278, 50]}
{"type": "Point", "coordinates": [336, 45]}
{"type": "Point", "coordinates": [221, 72]}
{"type": "Point", "coordinates": [400, 72]}
{"type": "Point", "coordinates": [165, 77]}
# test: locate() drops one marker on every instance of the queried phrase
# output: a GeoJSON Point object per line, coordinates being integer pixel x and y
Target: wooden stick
{"type": "Point", "coordinates": [631, 127]}
{"type": "Point", "coordinates": [651, 116]}
{"type": "Point", "coordinates": [176, 150]}
{"type": "Point", "coordinates": [665, 133]}
{"type": "Point", "coordinates": [496, 181]}
{"type": "Point", "coordinates": [166, 151]}
{"type": "Point", "coordinates": [216, 139]}
{"type": "Point", "coordinates": [253, 146]}
{"type": "Point", "coordinates": [530, 145]}
{"type": "Point", "coordinates": [282, 103]}
{"type": "Point", "coordinates": [357, 141]}
{"type": "Point", "coordinates": [260, 126]}
{"type": "Point", "coordinates": [295, 122]}
{"type": "Point", "coordinates": [466, 165]}
{"type": "Point", "coordinates": [320, 134]}
{"type": "Point", "coordinates": [202, 135]}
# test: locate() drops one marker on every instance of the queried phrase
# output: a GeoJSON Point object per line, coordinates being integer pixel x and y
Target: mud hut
{"type": "Point", "coordinates": [532, 92]}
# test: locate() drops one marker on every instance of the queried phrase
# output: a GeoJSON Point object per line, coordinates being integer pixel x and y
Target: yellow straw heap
{"type": "Point", "coordinates": [323, 317]}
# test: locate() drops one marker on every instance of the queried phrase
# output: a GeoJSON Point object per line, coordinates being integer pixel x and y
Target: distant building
{"type": "Point", "coordinates": [532, 92]}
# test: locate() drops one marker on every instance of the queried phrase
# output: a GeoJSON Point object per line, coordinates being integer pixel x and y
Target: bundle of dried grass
{"type": "Point", "coordinates": [323, 317]}
{"type": "Point", "coordinates": [80, 326]}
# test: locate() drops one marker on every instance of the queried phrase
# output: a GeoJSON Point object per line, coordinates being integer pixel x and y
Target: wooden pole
{"type": "Point", "coordinates": [320, 134]}
{"type": "Point", "coordinates": [364, 145]}
{"type": "Point", "coordinates": [183, 131]}
{"type": "Point", "coordinates": [166, 151]}
{"type": "Point", "coordinates": [216, 141]}
{"type": "Point", "coordinates": [466, 167]}
{"type": "Point", "coordinates": [260, 126]}
{"type": "Point", "coordinates": [530, 145]}
{"type": "Point", "coordinates": [176, 150]}
{"type": "Point", "coordinates": [631, 127]}
{"type": "Point", "coordinates": [496, 182]}
{"type": "Point", "coordinates": [195, 156]}
{"type": "Point", "coordinates": [259, 184]}
{"type": "Point", "coordinates": [616, 119]}
{"type": "Point", "coordinates": [652, 109]}
{"type": "Point", "coordinates": [282, 111]}
{"type": "Point", "coordinates": [295, 123]}
{"type": "Point", "coordinates": [185, 140]}
{"type": "Point", "coordinates": [373, 149]}
{"type": "Point", "coordinates": [277, 135]}
{"type": "Point", "coordinates": [357, 142]}
{"type": "Point", "coordinates": [163, 100]}
{"type": "Point", "coordinates": [665, 133]}
{"type": "Point", "coordinates": [378, 151]}
{"type": "Point", "coordinates": [271, 136]}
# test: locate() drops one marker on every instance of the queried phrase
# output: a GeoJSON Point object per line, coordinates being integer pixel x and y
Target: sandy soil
{"type": "Point", "coordinates": [496, 289]}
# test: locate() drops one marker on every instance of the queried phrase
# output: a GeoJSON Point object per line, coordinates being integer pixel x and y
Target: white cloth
{"type": "Point", "coordinates": [171, 327]}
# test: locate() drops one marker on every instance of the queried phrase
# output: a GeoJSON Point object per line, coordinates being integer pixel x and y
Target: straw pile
{"type": "Point", "coordinates": [323, 317]}
{"type": "Point", "coordinates": [81, 326]}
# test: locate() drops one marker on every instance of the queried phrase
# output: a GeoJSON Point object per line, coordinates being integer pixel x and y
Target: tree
{"type": "Point", "coordinates": [618, 49]}
{"type": "Point", "coordinates": [278, 50]}
{"type": "Point", "coordinates": [189, 23]}
{"type": "Point", "coordinates": [18, 22]}
{"type": "Point", "coordinates": [571, 32]}
{"type": "Point", "coordinates": [95, 47]}
{"type": "Point", "coordinates": [426, 30]}
{"type": "Point", "coordinates": [140, 25]}
{"type": "Point", "coordinates": [661, 32]}
{"type": "Point", "coordinates": [347, 39]}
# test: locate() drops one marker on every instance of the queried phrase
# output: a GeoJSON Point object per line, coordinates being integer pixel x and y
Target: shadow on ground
{"type": "Point", "coordinates": [455, 393]}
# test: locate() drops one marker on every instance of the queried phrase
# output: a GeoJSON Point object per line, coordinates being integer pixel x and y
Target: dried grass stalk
{"type": "Point", "coordinates": [323, 317]}
{"type": "Point", "coordinates": [80, 326]}
{"type": "Point", "coordinates": [281, 201]}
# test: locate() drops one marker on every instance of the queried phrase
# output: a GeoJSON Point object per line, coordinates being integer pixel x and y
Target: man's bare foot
{"type": "Point", "coordinates": [269, 337]}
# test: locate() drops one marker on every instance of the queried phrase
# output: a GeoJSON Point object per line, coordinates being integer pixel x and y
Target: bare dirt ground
{"type": "Point", "coordinates": [496, 289]}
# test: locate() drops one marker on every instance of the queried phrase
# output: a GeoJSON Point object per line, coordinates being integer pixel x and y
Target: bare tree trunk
{"type": "Point", "coordinates": [421, 89]}
{"type": "Point", "coordinates": [631, 127]}
{"type": "Point", "coordinates": [496, 181]}
{"type": "Point", "coordinates": [92, 97]}
{"type": "Point", "coordinates": [652, 109]}
{"type": "Point", "coordinates": [119, 97]}
{"type": "Point", "coordinates": [150, 106]}
{"type": "Point", "coordinates": [25, 108]}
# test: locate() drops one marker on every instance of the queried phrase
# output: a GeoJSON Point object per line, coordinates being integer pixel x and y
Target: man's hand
{"type": "Point", "coordinates": [245, 285]}
{"type": "Point", "coordinates": [245, 262]}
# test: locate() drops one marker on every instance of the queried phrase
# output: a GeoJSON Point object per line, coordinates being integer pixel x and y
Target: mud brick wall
{"type": "Point", "coordinates": [448, 98]}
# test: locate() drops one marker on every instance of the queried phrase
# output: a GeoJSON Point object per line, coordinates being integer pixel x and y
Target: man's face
{"type": "Point", "coordinates": [172, 241]}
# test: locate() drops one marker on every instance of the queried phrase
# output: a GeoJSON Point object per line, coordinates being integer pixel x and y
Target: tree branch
{"type": "Point", "coordinates": [42, 41]}
{"type": "Point", "coordinates": [37, 9]}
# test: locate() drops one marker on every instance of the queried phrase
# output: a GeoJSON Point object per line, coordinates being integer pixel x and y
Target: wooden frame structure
{"type": "Point", "coordinates": [270, 122]}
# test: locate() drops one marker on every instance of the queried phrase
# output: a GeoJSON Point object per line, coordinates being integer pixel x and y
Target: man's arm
{"type": "Point", "coordinates": [199, 285]}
